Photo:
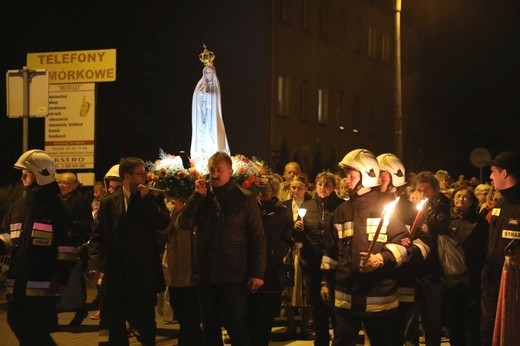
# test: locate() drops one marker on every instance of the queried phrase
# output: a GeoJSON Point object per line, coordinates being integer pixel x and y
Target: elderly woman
{"type": "Point", "coordinates": [462, 292]}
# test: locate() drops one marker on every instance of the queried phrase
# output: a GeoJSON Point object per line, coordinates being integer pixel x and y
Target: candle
{"type": "Point", "coordinates": [301, 213]}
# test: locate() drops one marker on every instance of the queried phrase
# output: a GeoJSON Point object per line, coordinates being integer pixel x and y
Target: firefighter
{"type": "Point", "coordinates": [365, 287]}
{"type": "Point", "coordinates": [35, 232]}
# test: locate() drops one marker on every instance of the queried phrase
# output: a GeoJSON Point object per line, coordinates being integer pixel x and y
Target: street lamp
{"type": "Point", "coordinates": [398, 89]}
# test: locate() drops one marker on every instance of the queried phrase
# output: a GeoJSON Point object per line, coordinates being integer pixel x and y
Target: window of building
{"type": "Point", "coordinates": [386, 48]}
{"type": "Point", "coordinates": [409, 57]}
{"type": "Point", "coordinates": [372, 121]}
{"type": "Point", "coordinates": [356, 114]}
{"type": "Point", "coordinates": [323, 116]}
{"type": "Point", "coordinates": [306, 15]}
{"type": "Point", "coordinates": [324, 19]}
{"type": "Point", "coordinates": [358, 35]}
{"type": "Point", "coordinates": [302, 114]}
{"type": "Point", "coordinates": [282, 96]}
{"type": "Point", "coordinates": [342, 27]}
{"type": "Point", "coordinates": [339, 109]}
{"type": "Point", "coordinates": [372, 42]}
{"type": "Point", "coordinates": [285, 10]}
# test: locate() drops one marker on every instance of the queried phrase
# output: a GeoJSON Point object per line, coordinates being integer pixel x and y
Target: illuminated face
{"type": "Point", "coordinates": [28, 178]}
{"type": "Point", "coordinates": [425, 189]}
{"type": "Point", "coordinates": [220, 172]}
{"type": "Point", "coordinates": [113, 186]}
{"type": "Point", "coordinates": [298, 191]}
{"type": "Point", "coordinates": [352, 178]}
{"type": "Point", "coordinates": [384, 178]}
{"type": "Point", "coordinates": [137, 177]}
{"type": "Point", "coordinates": [462, 200]}
{"type": "Point", "coordinates": [208, 74]}
{"type": "Point", "coordinates": [67, 183]}
{"type": "Point", "coordinates": [290, 171]}
{"type": "Point", "coordinates": [498, 175]}
{"type": "Point", "coordinates": [324, 188]}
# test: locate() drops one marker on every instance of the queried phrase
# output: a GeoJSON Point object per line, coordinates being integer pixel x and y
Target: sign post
{"type": "Point", "coordinates": [27, 96]}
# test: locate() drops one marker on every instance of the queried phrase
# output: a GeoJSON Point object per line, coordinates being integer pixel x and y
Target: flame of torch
{"type": "Point", "coordinates": [420, 207]}
{"type": "Point", "coordinates": [385, 219]}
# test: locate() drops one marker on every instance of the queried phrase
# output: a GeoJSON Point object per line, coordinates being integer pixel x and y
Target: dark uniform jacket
{"type": "Point", "coordinates": [124, 244]}
{"type": "Point", "coordinates": [471, 229]}
{"type": "Point", "coordinates": [353, 223]}
{"type": "Point", "coordinates": [78, 204]}
{"type": "Point", "coordinates": [503, 227]}
{"type": "Point", "coordinates": [277, 227]}
{"type": "Point", "coordinates": [42, 251]}
{"type": "Point", "coordinates": [230, 240]}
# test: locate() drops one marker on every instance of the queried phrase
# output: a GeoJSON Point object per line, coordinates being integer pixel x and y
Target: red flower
{"type": "Point", "coordinates": [181, 174]}
{"type": "Point", "coordinates": [162, 172]}
{"type": "Point", "coordinates": [246, 184]}
{"type": "Point", "coordinates": [151, 177]}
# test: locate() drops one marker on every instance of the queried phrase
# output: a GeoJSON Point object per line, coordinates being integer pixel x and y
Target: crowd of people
{"type": "Point", "coordinates": [352, 250]}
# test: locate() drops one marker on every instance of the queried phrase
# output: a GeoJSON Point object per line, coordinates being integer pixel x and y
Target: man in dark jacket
{"type": "Point", "coordinates": [502, 263]}
{"type": "Point", "coordinates": [35, 232]}
{"type": "Point", "coordinates": [230, 253]}
{"type": "Point", "coordinates": [124, 246]}
{"type": "Point", "coordinates": [78, 205]}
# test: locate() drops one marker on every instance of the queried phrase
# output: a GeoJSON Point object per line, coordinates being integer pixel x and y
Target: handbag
{"type": "Point", "coordinates": [451, 255]}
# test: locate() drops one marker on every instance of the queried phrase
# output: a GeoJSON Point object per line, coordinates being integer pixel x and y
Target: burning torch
{"type": "Point", "coordinates": [421, 206]}
{"type": "Point", "coordinates": [385, 219]}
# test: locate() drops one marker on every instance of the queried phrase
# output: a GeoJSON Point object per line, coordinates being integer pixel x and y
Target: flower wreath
{"type": "Point", "coordinates": [248, 172]}
{"type": "Point", "coordinates": [168, 173]}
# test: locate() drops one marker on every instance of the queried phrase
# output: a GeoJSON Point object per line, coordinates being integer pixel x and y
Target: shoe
{"type": "Point", "coordinates": [305, 335]}
{"type": "Point", "coordinates": [290, 334]}
{"type": "Point", "coordinates": [96, 315]}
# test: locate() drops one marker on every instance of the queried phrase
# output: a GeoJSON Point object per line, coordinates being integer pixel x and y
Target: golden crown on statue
{"type": "Point", "coordinates": [206, 56]}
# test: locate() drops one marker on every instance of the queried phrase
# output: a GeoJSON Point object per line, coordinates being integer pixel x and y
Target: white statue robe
{"type": "Point", "coordinates": [208, 132]}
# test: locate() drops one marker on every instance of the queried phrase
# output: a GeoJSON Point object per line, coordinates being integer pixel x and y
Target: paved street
{"type": "Point", "coordinates": [87, 334]}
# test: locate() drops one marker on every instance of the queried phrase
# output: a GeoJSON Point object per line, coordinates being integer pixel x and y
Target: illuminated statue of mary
{"type": "Point", "coordinates": [208, 132]}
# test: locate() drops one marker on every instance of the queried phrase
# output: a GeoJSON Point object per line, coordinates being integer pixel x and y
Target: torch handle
{"type": "Point", "coordinates": [376, 235]}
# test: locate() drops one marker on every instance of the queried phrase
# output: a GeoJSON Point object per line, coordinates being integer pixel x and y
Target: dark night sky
{"type": "Point", "coordinates": [470, 83]}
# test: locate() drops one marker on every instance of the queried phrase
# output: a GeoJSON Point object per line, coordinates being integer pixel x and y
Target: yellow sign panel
{"type": "Point", "coordinates": [82, 66]}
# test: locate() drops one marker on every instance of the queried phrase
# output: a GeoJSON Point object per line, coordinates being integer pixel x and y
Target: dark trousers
{"type": "Point", "coordinates": [30, 320]}
{"type": "Point", "coordinates": [489, 301]}
{"type": "Point", "coordinates": [429, 297]}
{"type": "Point", "coordinates": [320, 312]}
{"type": "Point", "coordinates": [462, 309]}
{"type": "Point", "coordinates": [382, 328]}
{"type": "Point", "coordinates": [409, 317]}
{"type": "Point", "coordinates": [185, 303]}
{"type": "Point", "coordinates": [140, 313]}
{"type": "Point", "coordinates": [262, 308]}
{"type": "Point", "coordinates": [223, 304]}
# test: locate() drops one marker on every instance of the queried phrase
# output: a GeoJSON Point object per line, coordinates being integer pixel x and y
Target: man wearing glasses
{"type": "Point", "coordinates": [124, 248]}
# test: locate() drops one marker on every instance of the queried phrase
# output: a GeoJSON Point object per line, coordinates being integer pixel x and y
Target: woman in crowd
{"type": "Point", "coordinates": [295, 297]}
{"type": "Point", "coordinates": [462, 292]}
{"type": "Point", "coordinates": [264, 304]}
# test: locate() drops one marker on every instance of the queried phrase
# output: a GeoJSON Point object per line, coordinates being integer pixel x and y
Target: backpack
{"type": "Point", "coordinates": [451, 255]}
